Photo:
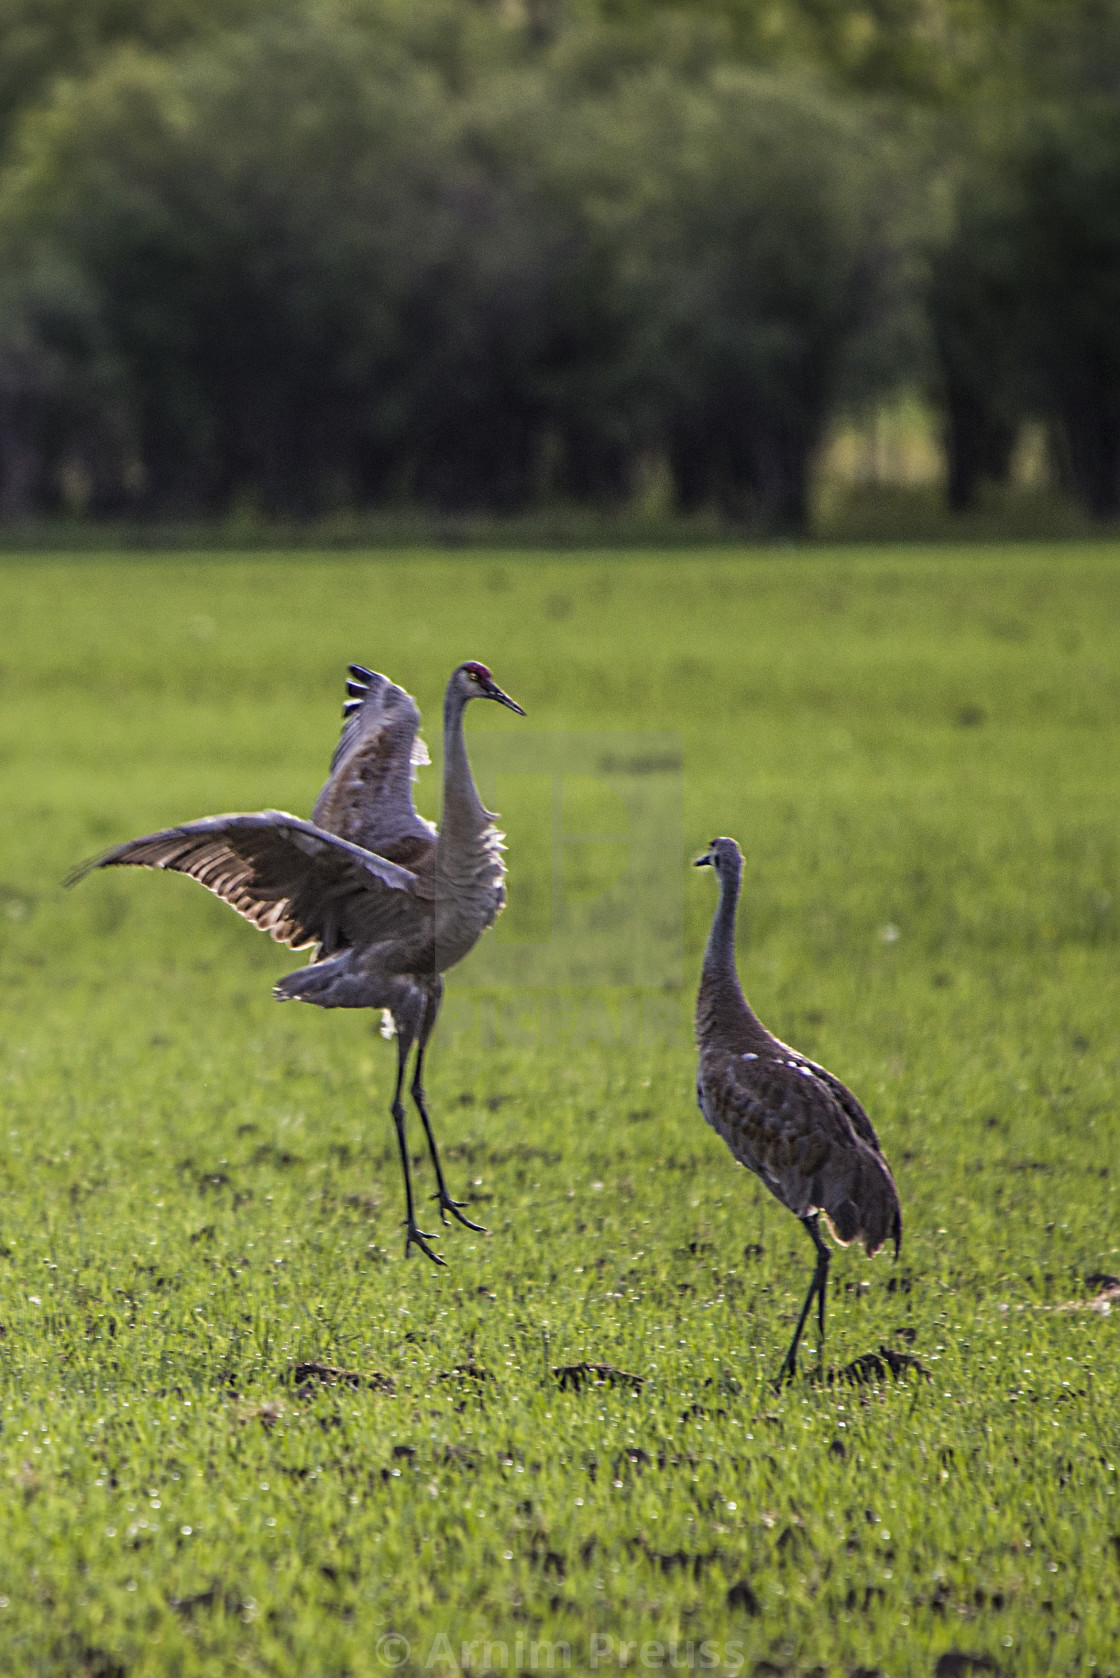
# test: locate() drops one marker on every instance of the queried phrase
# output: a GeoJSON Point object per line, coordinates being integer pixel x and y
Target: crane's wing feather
{"type": "Point", "coordinates": [849, 1106]}
{"type": "Point", "coordinates": [785, 1118]}
{"type": "Point", "coordinates": [368, 795]}
{"type": "Point", "coordinates": [847, 1103]}
{"type": "Point", "coordinates": [300, 884]}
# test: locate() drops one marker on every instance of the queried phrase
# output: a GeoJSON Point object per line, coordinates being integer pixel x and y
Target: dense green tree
{"type": "Point", "coordinates": [976, 308]}
{"type": "Point", "coordinates": [318, 252]}
{"type": "Point", "coordinates": [321, 273]}
{"type": "Point", "coordinates": [1068, 175]}
{"type": "Point", "coordinates": [748, 246]}
{"type": "Point", "coordinates": [929, 51]}
{"type": "Point", "coordinates": [1025, 303]}
{"type": "Point", "coordinates": [250, 219]}
{"type": "Point", "coordinates": [933, 53]}
{"type": "Point", "coordinates": [44, 40]}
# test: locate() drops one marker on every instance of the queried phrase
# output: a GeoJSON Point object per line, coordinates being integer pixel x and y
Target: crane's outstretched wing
{"type": "Point", "coordinates": [368, 797]}
{"type": "Point", "coordinates": [299, 884]}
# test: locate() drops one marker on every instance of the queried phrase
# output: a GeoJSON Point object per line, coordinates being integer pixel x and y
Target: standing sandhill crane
{"type": "Point", "coordinates": [386, 902]}
{"type": "Point", "coordinates": [784, 1117]}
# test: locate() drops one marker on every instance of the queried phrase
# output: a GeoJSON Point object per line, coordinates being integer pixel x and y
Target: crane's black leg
{"type": "Point", "coordinates": [824, 1258]}
{"type": "Point", "coordinates": [818, 1289]}
{"type": "Point", "coordinates": [414, 1235]}
{"type": "Point", "coordinates": [446, 1204]}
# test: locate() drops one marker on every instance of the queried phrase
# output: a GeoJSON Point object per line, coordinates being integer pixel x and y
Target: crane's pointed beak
{"type": "Point", "coordinates": [495, 692]}
{"type": "Point", "coordinates": [704, 861]}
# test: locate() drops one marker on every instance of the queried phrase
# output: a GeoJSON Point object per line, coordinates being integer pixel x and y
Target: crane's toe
{"type": "Point", "coordinates": [446, 1204]}
{"type": "Point", "coordinates": [420, 1238]}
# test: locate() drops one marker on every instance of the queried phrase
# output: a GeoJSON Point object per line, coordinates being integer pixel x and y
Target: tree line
{"type": "Point", "coordinates": [323, 254]}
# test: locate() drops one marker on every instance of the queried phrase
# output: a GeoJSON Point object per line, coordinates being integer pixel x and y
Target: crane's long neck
{"type": "Point", "coordinates": [721, 1006]}
{"type": "Point", "coordinates": [463, 817]}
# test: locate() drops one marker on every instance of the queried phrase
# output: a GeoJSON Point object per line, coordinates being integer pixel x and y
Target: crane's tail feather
{"type": "Point", "coordinates": [861, 1203]}
{"type": "Point", "coordinates": [328, 984]}
{"type": "Point", "coordinates": [844, 1220]}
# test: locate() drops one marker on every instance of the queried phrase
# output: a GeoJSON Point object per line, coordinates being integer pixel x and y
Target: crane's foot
{"type": "Point", "coordinates": [419, 1238]}
{"type": "Point", "coordinates": [446, 1204]}
{"type": "Point", "coordinates": [787, 1372]}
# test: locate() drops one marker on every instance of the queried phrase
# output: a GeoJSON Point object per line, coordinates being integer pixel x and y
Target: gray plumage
{"type": "Point", "coordinates": [784, 1117]}
{"type": "Point", "coordinates": [386, 903]}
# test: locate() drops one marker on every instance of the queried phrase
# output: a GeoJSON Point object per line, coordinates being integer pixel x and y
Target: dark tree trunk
{"type": "Point", "coordinates": [693, 452]}
{"type": "Point", "coordinates": [20, 461]}
{"type": "Point", "coordinates": [594, 466]}
{"type": "Point", "coordinates": [978, 444]}
{"type": "Point", "coordinates": [1090, 412]}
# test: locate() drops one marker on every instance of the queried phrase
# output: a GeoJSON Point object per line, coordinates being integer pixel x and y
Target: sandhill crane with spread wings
{"type": "Point", "coordinates": [386, 903]}
{"type": "Point", "coordinates": [784, 1117]}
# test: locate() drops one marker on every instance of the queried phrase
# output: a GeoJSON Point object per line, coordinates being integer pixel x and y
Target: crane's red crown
{"type": "Point", "coordinates": [478, 671]}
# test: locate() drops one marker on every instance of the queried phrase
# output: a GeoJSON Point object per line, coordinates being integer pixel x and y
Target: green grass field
{"type": "Point", "coordinates": [199, 1191]}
